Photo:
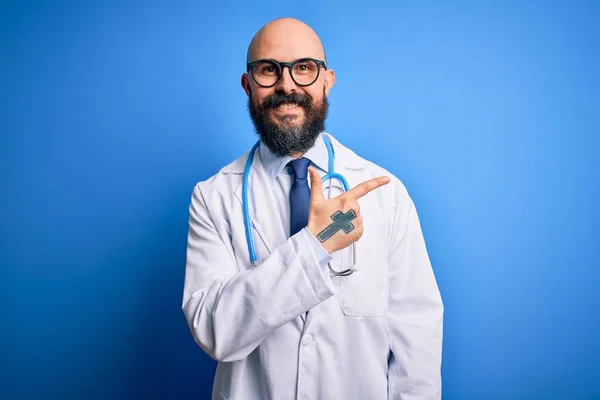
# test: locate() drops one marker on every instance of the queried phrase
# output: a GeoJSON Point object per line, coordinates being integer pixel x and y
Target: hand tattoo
{"type": "Point", "coordinates": [341, 221]}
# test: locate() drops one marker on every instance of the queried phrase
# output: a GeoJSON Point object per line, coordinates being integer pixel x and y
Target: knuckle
{"type": "Point", "coordinates": [347, 205]}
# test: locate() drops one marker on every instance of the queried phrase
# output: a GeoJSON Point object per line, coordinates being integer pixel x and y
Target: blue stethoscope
{"type": "Point", "coordinates": [330, 175]}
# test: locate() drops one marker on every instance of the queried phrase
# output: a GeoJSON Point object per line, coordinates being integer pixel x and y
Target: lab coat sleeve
{"type": "Point", "coordinates": [230, 312]}
{"type": "Point", "coordinates": [415, 312]}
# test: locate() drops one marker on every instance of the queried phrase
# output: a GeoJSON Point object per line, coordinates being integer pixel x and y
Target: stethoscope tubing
{"type": "Point", "coordinates": [247, 224]}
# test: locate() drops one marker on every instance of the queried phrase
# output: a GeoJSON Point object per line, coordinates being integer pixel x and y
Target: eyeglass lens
{"type": "Point", "coordinates": [267, 73]}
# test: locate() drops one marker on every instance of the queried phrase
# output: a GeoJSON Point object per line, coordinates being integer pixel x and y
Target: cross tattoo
{"type": "Point", "coordinates": [341, 221]}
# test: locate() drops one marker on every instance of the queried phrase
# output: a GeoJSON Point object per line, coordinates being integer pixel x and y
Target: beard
{"type": "Point", "coordinates": [283, 138]}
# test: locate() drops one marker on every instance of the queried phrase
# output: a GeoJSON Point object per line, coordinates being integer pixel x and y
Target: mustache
{"type": "Point", "coordinates": [277, 99]}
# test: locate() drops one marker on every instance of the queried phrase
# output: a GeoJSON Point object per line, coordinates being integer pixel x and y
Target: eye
{"type": "Point", "coordinates": [305, 67]}
{"type": "Point", "coordinates": [266, 69]}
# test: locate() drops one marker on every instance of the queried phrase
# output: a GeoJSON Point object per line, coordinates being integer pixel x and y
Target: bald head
{"type": "Point", "coordinates": [285, 39]}
{"type": "Point", "coordinates": [288, 109]}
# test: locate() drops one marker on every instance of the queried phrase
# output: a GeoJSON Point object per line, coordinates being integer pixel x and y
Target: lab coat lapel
{"type": "Point", "coordinates": [262, 206]}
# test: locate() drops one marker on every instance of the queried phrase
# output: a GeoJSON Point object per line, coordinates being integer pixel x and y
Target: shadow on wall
{"type": "Point", "coordinates": [167, 361]}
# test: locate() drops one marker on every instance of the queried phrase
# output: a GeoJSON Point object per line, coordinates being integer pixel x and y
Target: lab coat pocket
{"type": "Point", "coordinates": [364, 293]}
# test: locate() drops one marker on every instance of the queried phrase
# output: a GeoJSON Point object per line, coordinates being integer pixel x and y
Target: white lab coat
{"type": "Point", "coordinates": [376, 334]}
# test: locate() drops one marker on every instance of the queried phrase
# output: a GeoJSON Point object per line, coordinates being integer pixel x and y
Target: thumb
{"type": "Point", "coordinates": [316, 187]}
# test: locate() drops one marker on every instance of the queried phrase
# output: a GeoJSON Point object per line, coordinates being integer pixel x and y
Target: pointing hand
{"type": "Point", "coordinates": [337, 222]}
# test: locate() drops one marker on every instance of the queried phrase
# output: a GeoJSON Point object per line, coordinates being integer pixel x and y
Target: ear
{"type": "Point", "coordinates": [329, 80]}
{"type": "Point", "coordinates": [246, 84]}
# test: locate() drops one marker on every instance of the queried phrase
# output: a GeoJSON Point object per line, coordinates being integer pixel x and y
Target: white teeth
{"type": "Point", "coordinates": [288, 106]}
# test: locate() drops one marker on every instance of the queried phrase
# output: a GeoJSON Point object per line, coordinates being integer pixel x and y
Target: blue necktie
{"type": "Point", "coordinates": [299, 195]}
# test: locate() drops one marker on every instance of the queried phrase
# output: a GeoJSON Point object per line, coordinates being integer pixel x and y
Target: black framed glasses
{"type": "Point", "coordinates": [267, 72]}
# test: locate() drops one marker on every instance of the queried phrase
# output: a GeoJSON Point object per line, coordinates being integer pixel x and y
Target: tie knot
{"type": "Point", "coordinates": [300, 167]}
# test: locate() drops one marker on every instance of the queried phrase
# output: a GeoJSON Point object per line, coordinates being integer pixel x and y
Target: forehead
{"type": "Point", "coordinates": [287, 46]}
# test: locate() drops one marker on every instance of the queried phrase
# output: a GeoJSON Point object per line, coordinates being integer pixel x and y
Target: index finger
{"type": "Point", "coordinates": [367, 186]}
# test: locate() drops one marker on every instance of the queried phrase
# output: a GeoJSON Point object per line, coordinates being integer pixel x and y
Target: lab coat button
{"type": "Point", "coordinates": [306, 341]}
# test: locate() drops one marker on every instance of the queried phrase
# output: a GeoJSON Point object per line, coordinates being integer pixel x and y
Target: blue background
{"type": "Point", "coordinates": [112, 111]}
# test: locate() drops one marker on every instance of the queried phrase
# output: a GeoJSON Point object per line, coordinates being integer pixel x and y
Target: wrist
{"type": "Point", "coordinates": [327, 246]}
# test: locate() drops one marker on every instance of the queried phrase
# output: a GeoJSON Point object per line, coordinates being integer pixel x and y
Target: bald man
{"type": "Point", "coordinates": [299, 285]}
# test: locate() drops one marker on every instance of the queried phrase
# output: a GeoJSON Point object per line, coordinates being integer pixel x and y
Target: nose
{"type": "Point", "coordinates": [286, 84]}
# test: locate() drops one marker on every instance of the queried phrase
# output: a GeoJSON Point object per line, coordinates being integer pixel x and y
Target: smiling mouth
{"type": "Point", "coordinates": [287, 106]}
